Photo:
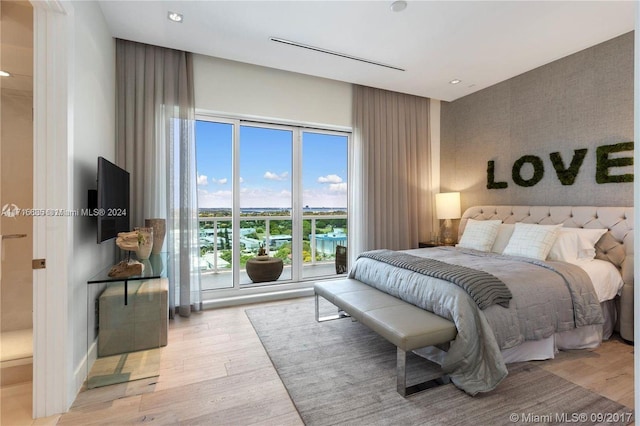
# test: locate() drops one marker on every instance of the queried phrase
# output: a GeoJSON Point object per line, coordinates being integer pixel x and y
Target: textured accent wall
{"type": "Point", "coordinates": [584, 100]}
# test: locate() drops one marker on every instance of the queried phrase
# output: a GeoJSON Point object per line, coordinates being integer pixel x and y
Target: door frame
{"type": "Point", "coordinates": [53, 115]}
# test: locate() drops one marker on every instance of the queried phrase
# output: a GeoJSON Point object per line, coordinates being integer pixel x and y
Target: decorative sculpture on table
{"type": "Point", "coordinates": [131, 241]}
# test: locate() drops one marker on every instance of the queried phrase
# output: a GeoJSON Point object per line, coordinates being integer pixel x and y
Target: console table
{"type": "Point", "coordinates": [117, 330]}
{"type": "Point", "coordinates": [154, 267]}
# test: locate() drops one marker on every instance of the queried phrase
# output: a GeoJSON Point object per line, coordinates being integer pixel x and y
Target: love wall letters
{"type": "Point", "coordinates": [567, 174]}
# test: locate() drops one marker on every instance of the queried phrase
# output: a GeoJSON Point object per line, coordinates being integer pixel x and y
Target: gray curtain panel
{"type": "Point", "coordinates": [390, 167]}
{"type": "Point", "coordinates": [155, 123]}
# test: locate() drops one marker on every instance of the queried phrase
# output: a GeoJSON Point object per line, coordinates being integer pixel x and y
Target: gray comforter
{"type": "Point", "coordinates": [548, 297]}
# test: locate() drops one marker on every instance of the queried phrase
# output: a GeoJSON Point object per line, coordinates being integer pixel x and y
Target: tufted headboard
{"type": "Point", "coordinates": [616, 246]}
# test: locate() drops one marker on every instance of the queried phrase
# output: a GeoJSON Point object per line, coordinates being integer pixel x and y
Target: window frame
{"type": "Point", "coordinates": [298, 285]}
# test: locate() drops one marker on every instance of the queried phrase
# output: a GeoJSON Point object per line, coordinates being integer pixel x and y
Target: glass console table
{"type": "Point", "coordinates": [155, 267]}
{"type": "Point", "coordinates": [127, 323]}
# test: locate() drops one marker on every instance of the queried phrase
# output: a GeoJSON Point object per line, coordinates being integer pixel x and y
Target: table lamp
{"type": "Point", "coordinates": [447, 208]}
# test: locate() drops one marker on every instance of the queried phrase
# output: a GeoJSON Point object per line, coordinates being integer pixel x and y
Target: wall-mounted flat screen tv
{"type": "Point", "coordinates": [112, 200]}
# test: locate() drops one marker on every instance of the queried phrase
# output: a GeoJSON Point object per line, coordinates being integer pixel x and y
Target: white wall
{"type": "Point", "coordinates": [240, 89]}
{"type": "Point", "coordinates": [93, 135]}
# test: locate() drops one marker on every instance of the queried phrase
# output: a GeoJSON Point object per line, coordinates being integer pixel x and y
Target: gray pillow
{"type": "Point", "coordinates": [609, 249]}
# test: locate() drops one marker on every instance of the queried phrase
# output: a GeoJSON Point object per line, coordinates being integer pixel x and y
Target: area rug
{"type": "Point", "coordinates": [340, 372]}
{"type": "Point", "coordinates": [125, 367]}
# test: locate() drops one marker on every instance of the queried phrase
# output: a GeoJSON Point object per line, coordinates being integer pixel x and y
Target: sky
{"type": "Point", "coordinates": [266, 167]}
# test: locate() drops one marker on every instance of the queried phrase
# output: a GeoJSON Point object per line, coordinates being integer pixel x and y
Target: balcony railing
{"type": "Point", "coordinates": [313, 238]}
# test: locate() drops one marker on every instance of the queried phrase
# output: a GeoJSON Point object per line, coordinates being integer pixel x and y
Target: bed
{"type": "Point", "coordinates": [553, 304]}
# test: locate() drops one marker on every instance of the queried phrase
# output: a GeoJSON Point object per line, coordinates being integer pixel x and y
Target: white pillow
{"type": "Point", "coordinates": [479, 234]}
{"type": "Point", "coordinates": [588, 239]}
{"type": "Point", "coordinates": [530, 240]}
{"type": "Point", "coordinates": [566, 246]}
{"type": "Point", "coordinates": [575, 243]}
{"type": "Point", "coordinates": [504, 235]}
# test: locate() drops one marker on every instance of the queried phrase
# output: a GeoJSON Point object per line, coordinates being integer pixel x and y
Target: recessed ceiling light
{"type": "Point", "coordinates": [398, 5]}
{"type": "Point", "coordinates": [4, 74]}
{"type": "Point", "coordinates": [455, 81]}
{"type": "Point", "coordinates": [174, 16]}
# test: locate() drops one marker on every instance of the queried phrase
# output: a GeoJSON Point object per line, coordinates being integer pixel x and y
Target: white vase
{"type": "Point", "coordinates": [145, 243]}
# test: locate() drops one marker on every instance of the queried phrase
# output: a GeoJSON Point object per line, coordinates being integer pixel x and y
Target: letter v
{"type": "Point", "coordinates": [568, 176]}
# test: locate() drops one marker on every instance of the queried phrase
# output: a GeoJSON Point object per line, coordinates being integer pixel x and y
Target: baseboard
{"type": "Point", "coordinates": [82, 371]}
{"type": "Point", "coordinates": [257, 298]}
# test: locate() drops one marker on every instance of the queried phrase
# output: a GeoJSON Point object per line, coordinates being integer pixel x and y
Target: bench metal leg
{"type": "Point", "coordinates": [401, 372]}
{"type": "Point", "coordinates": [341, 314]}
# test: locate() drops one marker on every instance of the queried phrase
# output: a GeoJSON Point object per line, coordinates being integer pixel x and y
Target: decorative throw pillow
{"type": "Point", "coordinates": [479, 234]}
{"type": "Point", "coordinates": [531, 240]}
{"type": "Point", "coordinates": [609, 249]}
{"type": "Point", "coordinates": [504, 235]}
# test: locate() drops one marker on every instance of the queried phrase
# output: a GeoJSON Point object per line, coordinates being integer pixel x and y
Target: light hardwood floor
{"type": "Point", "coordinates": [216, 371]}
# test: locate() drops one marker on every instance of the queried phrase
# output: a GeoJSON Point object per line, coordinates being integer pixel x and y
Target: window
{"type": "Point", "coordinates": [324, 200]}
{"type": "Point", "coordinates": [279, 188]}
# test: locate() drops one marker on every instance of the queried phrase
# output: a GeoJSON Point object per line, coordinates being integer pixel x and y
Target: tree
{"type": "Point", "coordinates": [306, 229]}
{"type": "Point", "coordinates": [226, 255]}
{"type": "Point", "coordinates": [226, 244]}
{"type": "Point", "coordinates": [284, 253]}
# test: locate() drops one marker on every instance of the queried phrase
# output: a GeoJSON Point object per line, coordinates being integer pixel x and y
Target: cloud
{"type": "Point", "coordinates": [264, 197]}
{"type": "Point", "coordinates": [202, 180]}
{"type": "Point", "coordinates": [273, 176]}
{"type": "Point", "coordinates": [217, 199]}
{"type": "Point", "coordinates": [324, 198]}
{"type": "Point", "coordinates": [330, 179]}
{"type": "Point", "coordinates": [338, 187]}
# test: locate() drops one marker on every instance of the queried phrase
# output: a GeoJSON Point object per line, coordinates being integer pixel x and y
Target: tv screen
{"type": "Point", "coordinates": [112, 200]}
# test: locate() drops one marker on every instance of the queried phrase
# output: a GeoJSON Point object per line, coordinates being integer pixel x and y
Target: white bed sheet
{"type": "Point", "coordinates": [581, 338]}
{"type": "Point", "coordinates": [606, 279]}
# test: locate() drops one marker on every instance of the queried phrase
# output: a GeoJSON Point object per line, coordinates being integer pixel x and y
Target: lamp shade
{"type": "Point", "coordinates": [448, 205]}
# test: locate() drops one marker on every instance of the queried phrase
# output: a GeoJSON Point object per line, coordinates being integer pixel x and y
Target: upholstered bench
{"type": "Point", "coordinates": [403, 324]}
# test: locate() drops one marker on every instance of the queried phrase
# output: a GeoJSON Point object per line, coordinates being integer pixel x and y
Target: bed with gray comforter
{"type": "Point", "coordinates": [547, 297]}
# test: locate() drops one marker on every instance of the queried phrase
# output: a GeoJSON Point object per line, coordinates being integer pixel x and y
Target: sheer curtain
{"type": "Point", "coordinates": [155, 122]}
{"type": "Point", "coordinates": [390, 171]}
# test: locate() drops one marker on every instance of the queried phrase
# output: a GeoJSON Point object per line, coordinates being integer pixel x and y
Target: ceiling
{"type": "Point", "coordinates": [479, 43]}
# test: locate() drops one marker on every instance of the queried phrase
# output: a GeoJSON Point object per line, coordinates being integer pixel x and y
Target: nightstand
{"type": "Point", "coordinates": [427, 245]}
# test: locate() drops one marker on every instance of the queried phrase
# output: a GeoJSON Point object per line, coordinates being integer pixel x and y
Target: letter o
{"type": "Point", "coordinates": [538, 170]}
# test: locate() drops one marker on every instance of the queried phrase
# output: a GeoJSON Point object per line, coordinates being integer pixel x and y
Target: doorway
{"type": "Point", "coordinates": [16, 193]}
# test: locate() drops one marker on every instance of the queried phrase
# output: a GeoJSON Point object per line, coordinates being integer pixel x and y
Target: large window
{"type": "Point", "coordinates": [281, 189]}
